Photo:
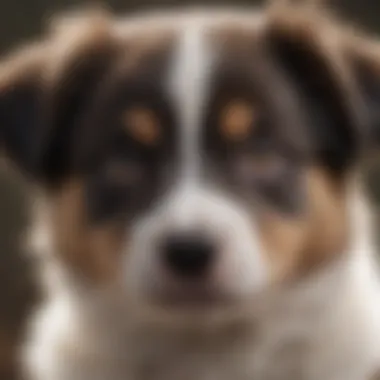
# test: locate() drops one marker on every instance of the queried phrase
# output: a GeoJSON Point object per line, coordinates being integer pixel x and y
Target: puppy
{"type": "Point", "coordinates": [199, 212]}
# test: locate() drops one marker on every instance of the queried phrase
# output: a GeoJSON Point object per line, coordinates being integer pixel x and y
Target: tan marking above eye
{"type": "Point", "coordinates": [237, 120]}
{"type": "Point", "coordinates": [142, 124]}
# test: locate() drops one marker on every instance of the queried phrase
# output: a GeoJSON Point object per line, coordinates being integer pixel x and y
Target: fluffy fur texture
{"type": "Point", "coordinates": [178, 241]}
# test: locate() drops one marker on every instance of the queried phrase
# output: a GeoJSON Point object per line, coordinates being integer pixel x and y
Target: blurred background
{"type": "Point", "coordinates": [21, 20]}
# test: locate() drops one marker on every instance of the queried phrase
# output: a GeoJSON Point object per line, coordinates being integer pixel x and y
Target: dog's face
{"type": "Point", "coordinates": [197, 162]}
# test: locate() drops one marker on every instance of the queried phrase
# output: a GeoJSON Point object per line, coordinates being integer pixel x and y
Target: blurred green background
{"type": "Point", "coordinates": [21, 20]}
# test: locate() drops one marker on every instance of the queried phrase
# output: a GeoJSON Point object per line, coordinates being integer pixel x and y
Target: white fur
{"type": "Point", "coordinates": [188, 85]}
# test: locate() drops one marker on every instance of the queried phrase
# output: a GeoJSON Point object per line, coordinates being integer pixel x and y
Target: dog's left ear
{"type": "Point", "coordinates": [336, 71]}
{"type": "Point", "coordinates": [309, 50]}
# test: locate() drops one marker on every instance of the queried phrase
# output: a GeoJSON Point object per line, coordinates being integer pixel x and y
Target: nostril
{"type": "Point", "coordinates": [187, 254]}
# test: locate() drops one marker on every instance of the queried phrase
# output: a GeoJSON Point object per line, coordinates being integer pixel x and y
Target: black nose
{"type": "Point", "coordinates": [187, 254]}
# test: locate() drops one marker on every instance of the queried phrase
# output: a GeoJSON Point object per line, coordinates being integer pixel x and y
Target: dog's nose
{"type": "Point", "coordinates": [187, 255]}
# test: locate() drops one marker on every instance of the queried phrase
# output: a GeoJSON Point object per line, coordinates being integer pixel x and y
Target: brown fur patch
{"type": "Point", "coordinates": [298, 246]}
{"type": "Point", "coordinates": [93, 252]}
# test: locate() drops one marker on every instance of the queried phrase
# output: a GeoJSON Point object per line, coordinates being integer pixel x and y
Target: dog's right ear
{"type": "Point", "coordinates": [21, 90]}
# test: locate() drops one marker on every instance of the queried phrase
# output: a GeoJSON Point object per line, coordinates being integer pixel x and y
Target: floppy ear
{"type": "Point", "coordinates": [20, 95]}
{"type": "Point", "coordinates": [44, 90]}
{"type": "Point", "coordinates": [308, 47]}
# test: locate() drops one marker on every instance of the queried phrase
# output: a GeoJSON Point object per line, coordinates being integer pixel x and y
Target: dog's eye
{"type": "Point", "coordinates": [142, 125]}
{"type": "Point", "coordinates": [237, 120]}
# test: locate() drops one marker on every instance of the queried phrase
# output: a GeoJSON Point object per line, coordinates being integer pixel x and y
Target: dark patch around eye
{"type": "Point", "coordinates": [129, 178]}
{"type": "Point", "coordinates": [268, 177]}
{"type": "Point", "coordinates": [279, 132]}
{"type": "Point", "coordinates": [104, 200]}
{"type": "Point", "coordinates": [142, 87]}
{"type": "Point", "coordinates": [259, 167]}
{"type": "Point", "coordinates": [286, 191]}
{"type": "Point", "coordinates": [119, 193]}
{"type": "Point", "coordinates": [138, 178]}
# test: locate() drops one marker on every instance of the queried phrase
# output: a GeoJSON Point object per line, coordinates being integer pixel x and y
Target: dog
{"type": "Point", "coordinates": [199, 212]}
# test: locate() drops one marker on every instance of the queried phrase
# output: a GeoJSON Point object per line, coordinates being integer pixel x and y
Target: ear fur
{"type": "Point", "coordinates": [45, 87]}
{"type": "Point", "coordinates": [311, 49]}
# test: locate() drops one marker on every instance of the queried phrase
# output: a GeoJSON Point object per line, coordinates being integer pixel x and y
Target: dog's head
{"type": "Point", "coordinates": [196, 158]}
